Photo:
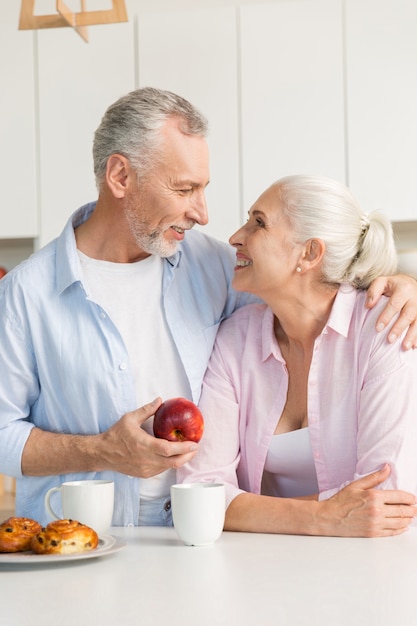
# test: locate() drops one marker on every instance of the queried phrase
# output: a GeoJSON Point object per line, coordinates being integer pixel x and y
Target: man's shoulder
{"type": "Point", "coordinates": [33, 273]}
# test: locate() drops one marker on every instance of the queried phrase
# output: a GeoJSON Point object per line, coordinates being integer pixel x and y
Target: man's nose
{"type": "Point", "coordinates": [198, 209]}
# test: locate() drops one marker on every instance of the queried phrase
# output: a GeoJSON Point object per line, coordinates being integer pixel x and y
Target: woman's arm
{"type": "Point", "coordinates": [358, 510]}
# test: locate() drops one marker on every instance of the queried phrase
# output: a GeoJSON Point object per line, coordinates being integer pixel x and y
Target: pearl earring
{"type": "Point", "coordinates": [298, 269]}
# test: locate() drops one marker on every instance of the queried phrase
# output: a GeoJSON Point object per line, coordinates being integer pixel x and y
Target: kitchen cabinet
{"type": "Point", "coordinates": [18, 130]}
{"type": "Point", "coordinates": [292, 92]}
{"type": "Point", "coordinates": [381, 59]}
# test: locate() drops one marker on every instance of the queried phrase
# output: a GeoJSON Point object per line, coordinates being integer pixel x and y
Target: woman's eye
{"type": "Point", "coordinates": [260, 222]}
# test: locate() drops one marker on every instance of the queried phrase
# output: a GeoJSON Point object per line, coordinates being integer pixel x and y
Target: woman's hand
{"type": "Point", "coordinates": [402, 292]}
{"type": "Point", "coordinates": [360, 510]}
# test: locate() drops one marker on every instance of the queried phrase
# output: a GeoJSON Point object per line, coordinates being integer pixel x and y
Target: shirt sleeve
{"type": "Point", "coordinates": [387, 418]}
{"type": "Point", "coordinates": [18, 373]}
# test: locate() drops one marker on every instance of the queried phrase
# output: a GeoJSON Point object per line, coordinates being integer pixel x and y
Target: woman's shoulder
{"type": "Point", "coordinates": [243, 325]}
{"type": "Point", "coordinates": [247, 314]}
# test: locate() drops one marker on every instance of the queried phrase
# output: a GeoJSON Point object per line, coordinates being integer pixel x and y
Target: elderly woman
{"type": "Point", "coordinates": [307, 409]}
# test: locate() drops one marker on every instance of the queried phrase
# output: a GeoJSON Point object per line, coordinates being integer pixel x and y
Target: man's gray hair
{"type": "Point", "coordinates": [131, 127]}
{"type": "Point", "coordinates": [359, 247]}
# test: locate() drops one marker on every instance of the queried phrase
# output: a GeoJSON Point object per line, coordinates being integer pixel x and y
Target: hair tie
{"type": "Point", "coordinates": [364, 223]}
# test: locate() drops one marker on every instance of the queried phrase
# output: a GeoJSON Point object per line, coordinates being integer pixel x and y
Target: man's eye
{"type": "Point", "coordinates": [260, 222]}
{"type": "Point", "coordinates": [185, 190]}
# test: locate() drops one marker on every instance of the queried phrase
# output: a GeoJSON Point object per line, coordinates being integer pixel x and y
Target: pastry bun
{"type": "Point", "coordinates": [64, 536]}
{"type": "Point", "coordinates": [16, 534]}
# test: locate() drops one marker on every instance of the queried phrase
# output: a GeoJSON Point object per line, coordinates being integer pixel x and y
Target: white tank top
{"type": "Point", "coordinates": [131, 294]}
{"type": "Point", "coordinates": [289, 467]}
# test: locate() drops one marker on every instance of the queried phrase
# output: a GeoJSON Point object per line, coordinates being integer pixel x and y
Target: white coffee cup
{"type": "Point", "coordinates": [198, 512]}
{"type": "Point", "coordinates": [90, 502]}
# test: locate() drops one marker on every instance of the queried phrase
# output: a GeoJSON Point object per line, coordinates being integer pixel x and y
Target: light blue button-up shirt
{"type": "Point", "coordinates": [64, 366]}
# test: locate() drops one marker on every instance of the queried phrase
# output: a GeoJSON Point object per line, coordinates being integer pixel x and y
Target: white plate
{"type": "Point", "coordinates": [106, 545]}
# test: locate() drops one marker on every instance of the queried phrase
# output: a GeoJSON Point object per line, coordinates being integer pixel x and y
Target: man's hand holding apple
{"type": "Point", "coordinates": [127, 448]}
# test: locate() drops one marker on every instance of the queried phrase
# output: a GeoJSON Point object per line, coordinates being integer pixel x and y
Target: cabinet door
{"type": "Point", "coordinates": [382, 104]}
{"type": "Point", "coordinates": [292, 92]}
{"type": "Point", "coordinates": [77, 82]}
{"type": "Point", "coordinates": [193, 53]}
{"type": "Point", "coordinates": [17, 128]}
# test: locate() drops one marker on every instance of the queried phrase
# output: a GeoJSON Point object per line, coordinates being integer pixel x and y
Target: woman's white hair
{"type": "Point", "coordinates": [359, 247]}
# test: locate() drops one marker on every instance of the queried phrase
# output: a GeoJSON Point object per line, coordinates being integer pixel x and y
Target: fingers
{"type": "Point", "coordinates": [147, 410]}
{"type": "Point", "coordinates": [375, 291]}
{"type": "Point", "coordinates": [396, 521]}
{"type": "Point", "coordinates": [398, 497]}
{"type": "Point", "coordinates": [372, 480]}
{"type": "Point", "coordinates": [387, 496]}
{"type": "Point", "coordinates": [389, 531]}
{"type": "Point", "coordinates": [406, 320]}
{"type": "Point", "coordinates": [166, 455]}
{"type": "Point", "coordinates": [403, 301]}
{"type": "Point", "coordinates": [402, 511]}
{"type": "Point", "coordinates": [410, 339]}
{"type": "Point", "coordinates": [165, 448]}
{"type": "Point", "coordinates": [391, 309]}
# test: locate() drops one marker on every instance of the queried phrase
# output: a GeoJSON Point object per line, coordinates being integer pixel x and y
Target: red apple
{"type": "Point", "coordinates": [3, 272]}
{"type": "Point", "coordinates": [178, 419]}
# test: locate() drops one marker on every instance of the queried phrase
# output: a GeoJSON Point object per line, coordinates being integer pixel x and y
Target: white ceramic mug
{"type": "Point", "coordinates": [90, 502]}
{"type": "Point", "coordinates": [198, 512]}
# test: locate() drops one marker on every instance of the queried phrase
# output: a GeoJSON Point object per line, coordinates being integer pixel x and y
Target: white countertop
{"type": "Point", "coordinates": [244, 579]}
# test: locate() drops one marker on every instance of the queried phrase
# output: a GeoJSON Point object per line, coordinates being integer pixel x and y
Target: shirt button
{"type": "Point", "coordinates": [122, 366]}
{"type": "Point", "coordinates": [167, 505]}
{"type": "Point", "coordinates": [103, 315]}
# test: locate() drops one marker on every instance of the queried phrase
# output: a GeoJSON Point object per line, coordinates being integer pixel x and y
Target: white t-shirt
{"type": "Point", "coordinates": [289, 466]}
{"type": "Point", "coordinates": [131, 294]}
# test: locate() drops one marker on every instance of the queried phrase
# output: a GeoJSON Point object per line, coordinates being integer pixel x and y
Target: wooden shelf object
{"type": "Point", "coordinates": [65, 17]}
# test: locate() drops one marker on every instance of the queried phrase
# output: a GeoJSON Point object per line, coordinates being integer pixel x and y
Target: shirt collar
{"type": "Point", "coordinates": [342, 310]}
{"type": "Point", "coordinates": [175, 259]}
{"type": "Point", "coordinates": [68, 265]}
{"type": "Point", "coordinates": [269, 342]}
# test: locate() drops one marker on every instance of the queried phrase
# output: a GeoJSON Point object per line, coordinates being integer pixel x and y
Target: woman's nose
{"type": "Point", "coordinates": [237, 238]}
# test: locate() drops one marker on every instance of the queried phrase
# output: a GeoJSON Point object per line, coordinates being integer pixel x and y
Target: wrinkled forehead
{"type": "Point", "coordinates": [270, 201]}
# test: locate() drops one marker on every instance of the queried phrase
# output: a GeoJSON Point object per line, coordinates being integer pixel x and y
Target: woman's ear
{"type": "Point", "coordinates": [314, 250]}
{"type": "Point", "coordinates": [117, 174]}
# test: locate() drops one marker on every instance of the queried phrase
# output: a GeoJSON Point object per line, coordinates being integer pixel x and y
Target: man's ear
{"type": "Point", "coordinates": [117, 174]}
{"type": "Point", "coordinates": [314, 250]}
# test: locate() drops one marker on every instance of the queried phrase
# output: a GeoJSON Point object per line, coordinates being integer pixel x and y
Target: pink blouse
{"type": "Point", "coordinates": [362, 403]}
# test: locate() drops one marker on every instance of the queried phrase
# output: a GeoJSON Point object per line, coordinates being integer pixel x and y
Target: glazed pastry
{"type": "Point", "coordinates": [16, 534]}
{"type": "Point", "coordinates": [64, 536]}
